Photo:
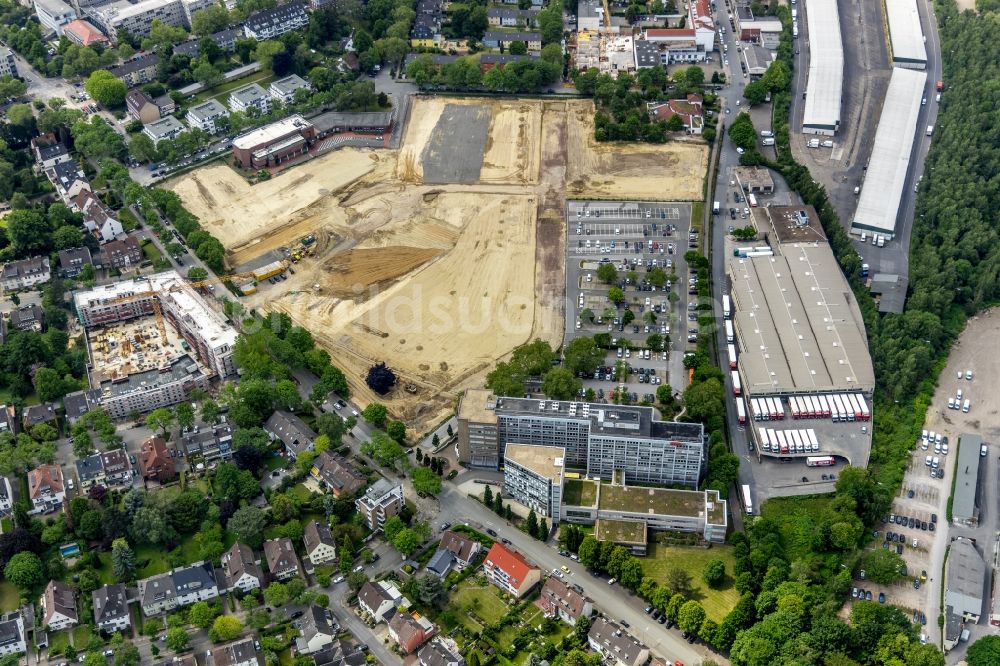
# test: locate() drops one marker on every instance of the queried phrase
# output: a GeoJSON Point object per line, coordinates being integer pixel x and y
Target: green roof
{"type": "Point", "coordinates": [579, 492]}
{"type": "Point", "coordinates": [636, 499]}
{"type": "Point", "coordinates": [620, 531]}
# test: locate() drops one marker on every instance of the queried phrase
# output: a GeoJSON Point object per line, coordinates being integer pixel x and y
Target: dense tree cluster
{"type": "Point", "coordinates": [466, 74]}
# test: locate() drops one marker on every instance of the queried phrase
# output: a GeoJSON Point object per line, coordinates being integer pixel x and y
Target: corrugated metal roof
{"type": "Point", "coordinates": [905, 34]}
{"type": "Point", "coordinates": [826, 66]}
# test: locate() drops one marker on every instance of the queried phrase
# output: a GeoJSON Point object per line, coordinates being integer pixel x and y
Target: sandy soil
{"type": "Point", "coordinates": [674, 171]}
{"type": "Point", "coordinates": [240, 215]}
{"type": "Point", "coordinates": [513, 144]}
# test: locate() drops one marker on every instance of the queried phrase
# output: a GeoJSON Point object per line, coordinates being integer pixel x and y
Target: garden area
{"type": "Point", "coordinates": [718, 601]}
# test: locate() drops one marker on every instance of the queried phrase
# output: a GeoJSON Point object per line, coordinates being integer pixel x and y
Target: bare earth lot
{"type": "Point", "coordinates": [442, 257]}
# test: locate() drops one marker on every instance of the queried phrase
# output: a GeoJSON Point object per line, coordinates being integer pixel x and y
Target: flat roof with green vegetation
{"type": "Point", "coordinates": [579, 492]}
{"type": "Point", "coordinates": [717, 512]}
{"type": "Point", "coordinates": [636, 499]}
{"type": "Point", "coordinates": [620, 531]}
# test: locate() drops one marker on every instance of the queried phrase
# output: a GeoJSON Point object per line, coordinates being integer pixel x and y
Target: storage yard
{"type": "Point", "coordinates": [441, 258]}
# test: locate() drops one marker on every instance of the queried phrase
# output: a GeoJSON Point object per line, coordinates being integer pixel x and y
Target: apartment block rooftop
{"type": "Point", "coordinates": [545, 461]}
{"type": "Point", "coordinates": [179, 369]}
{"type": "Point", "coordinates": [662, 501]}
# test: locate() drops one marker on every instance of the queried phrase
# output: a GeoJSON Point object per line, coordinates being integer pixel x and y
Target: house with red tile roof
{"type": "Point", "coordinates": [510, 571]}
{"type": "Point", "coordinates": [689, 110]}
{"type": "Point", "coordinates": [410, 631]}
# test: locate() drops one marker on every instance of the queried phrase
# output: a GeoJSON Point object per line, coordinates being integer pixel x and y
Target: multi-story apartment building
{"type": "Point", "coordinates": [8, 66]}
{"type": "Point", "coordinates": [164, 129]}
{"type": "Point", "coordinates": [97, 217]}
{"type": "Point", "coordinates": [137, 71]}
{"type": "Point", "coordinates": [224, 39]}
{"type": "Point", "coordinates": [46, 488]}
{"type": "Point", "coordinates": [510, 571]}
{"type": "Point", "coordinates": [382, 501]}
{"type": "Point", "coordinates": [53, 15]}
{"type": "Point", "coordinates": [617, 646]}
{"type": "Point", "coordinates": [533, 475]}
{"type": "Point", "coordinates": [284, 89]}
{"type": "Point", "coordinates": [493, 40]}
{"type": "Point", "coordinates": [123, 253]}
{"type": "Point", "coordinates": [137, 18]}
{"type": "Point", "coordinates": [202, 328]}
{"type": "Point", "coordinates": [597, 438]}
{"type": "Point", "coordinates": [250, 99]}
{"type": "Point", "coordinates": [111, 608]}
{"type": "Point", "coordinates": [147, 390]}
{"type": "Point", "coordinates": [210, 443]}
{"type": "Point", "coordinates": [205, 116]}
{"type": "Point", "coordinates": [179, 587]}
{"type": "Point", "coordinates": [68, 179]}
{"type": "Point", "coordinates": [90, 471]}
{"type": "Point", "coordinates": [275, 22]}
{"type": "Point", "coordinates": [12, 640]}
{"type": "Point", "coordinates": [558, 599]}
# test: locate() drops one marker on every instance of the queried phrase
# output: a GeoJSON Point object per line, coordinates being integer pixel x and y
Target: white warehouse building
{"type": "Point", "coordinates": [824, 90]}
{"type": "Point", "coordinates": [906, 36]}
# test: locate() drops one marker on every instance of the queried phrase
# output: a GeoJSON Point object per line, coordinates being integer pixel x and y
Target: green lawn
{"type": "Point", "coordinates": [300, 492]}
{"type": "Point", "coordinates": [7, 525]}
{"type": "Point", "coordinates": [471, 601]}
{"type": "Point", "coordinates": [717, 603]}
{"type": "Point", "coordinates": [150, 250]}
{"type": "Point", "coordinates": [151, 560]}
{"type": "Point", "coordinates": [58, 640]}
{"type": "Point", "coordinates": [221, 91]}
{"type": "Point", "coordinates": [105, 572]}
{"type": "Point", "coordinates": [81, 636]}
{"type": "Point", "coordinates": [10, 597]}
{"type": "Point", "coordinates": [274, 462]}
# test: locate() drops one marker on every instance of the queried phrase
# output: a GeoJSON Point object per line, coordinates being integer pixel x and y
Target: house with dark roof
{"type": "Point", "coordinates": [410, 631]}
{"type": "Point", "coordinates": [455, 550]}
{"type": "Point", "coordinates": [68, 179]}
{"type": "Point", "coordinates": [117, 469]}
{"type": "Point", "coordinates": [155, 462]}
{"type": "Point", "coordinates": [111, 608]}
{"type": "Point", "coordinates": [25, 318]}
{"type": "Point", "coordinates": [25, 273]}
{"type": "Point", "coordinates": [337, 475]}
{"type": "Point", "coordinates": [282, 562]}
{"type": "Point", "coordinates": [241, 569]}
{"type": "Point", "coordinates": [616, 645]}
{"type": "Point", "coordinates": [178, 587]}
{"type": "Point", "coordinates": [141, 107]}
{"type": "Point", "coordinates": [210, 444]}
{"type": "Point", "coordinates": [558, 599]}
{"type": "Point", "coordinates": [8, 420]}
{"type": "Point", "coordinates": [72, 261]}
{"type": "Point", "coordinates": [379, 599]}
{"type": "Point", "coordinates": [90, 470]}
{"type": "Point", "coordinates": [224, 39]}
{"type": "Point", "coordinates": [99, 220]}
{"type": "Point", "coordinates": [510, 571]}
{"type": "Point", "coordinates": [291, 431]}
{"type": "Point", "coordinates": [440, 652]}
{"type": "Point", "coordinates": [123, 254]}
{"type": "Point", "coordinates": [320, 545]}
{"type": "Point", "coordinates": [6, 496]}
{"type": "Point", "coordinates": [137, 71]}
{"type": "Point", "coordinates": [79, 403]}
{"type": "Point", "coordinates": [37, 414]}
{"type": "Point", "coordinates": [317, 630]}
{"type": "Point", "coordinates": [12, 636]}
{"type": "Point", "coordinates": [58, 606]}
{"type": "Point", "coordinates": [49, 153]}
{"type": "Point", "coordinates": [275, 22]}
{"type": "Point", "coordinates": [498, 39]}
{"type": "Point", "coordinates": [46, 488]}
{"type": "Point", "coordinates": [337, 653]}
{"type": "Point", "coordinates": [238, 653]}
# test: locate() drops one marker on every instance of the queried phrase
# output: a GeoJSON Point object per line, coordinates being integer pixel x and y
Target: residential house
{"type": "Point", "coordinates": [210, 444]}
{"type": "Point", "coordinates": [224, 39]}
{"type": "Point", "coordinates": [155, 462]}
{"type": "Point", "coordinates": [275, 22]}
{"type": "Point", "coordinates": [558, 599]}
{"type": "Point", "coordinates": [164, 129]}
{"type": "Point", "coordinates": [138, 71]}
{"type": "Point", "coordinates": [380, 502]}
{"type": "Point", "coordinates": [8, 65]}
{"type": "Point", "coordinates": [25, 273]}
{"type": "Point", "coordinates": [317, 630]}
{"type": "Point", "coordinates": [320, 545]}
{"type": "Point", "coordinates": [141, 107]}
{"type": "Point", "coordinates": [72, 261]}
{"type": "Point", "coordinates": [410, 631]}
{"type": "Point", "coordinates": [123, 254]}
{"type": "Point", "coordinates": [440, 652]}
{"type": "Point", "coordinates": [46, 488]}
{"type": "Point", "coordinates": [33, 415]}
{"type": "Point", "coordinates": [12, 636]}
{"type": "Point", "coordinates": [512, 18]}
{"type": "Point", "coordinates": [82, 32]}
{"type": "Point", "coordinates": [111, 612]}
{"type": "Point", "coordinates": [689, 111]}
{"type": "Point", "coordinates": [68, 179]}
{"type": "Point", "coordinates": [250, 99]}
{"type": "Point", "coordinates": [206, 116]}
{"type": "Point", "coordinates": [510, 571]}
{"type": "Point", "coordinates": [38, 414]}
{"type": "Point", "coordinates": [58, 606]}
{"type": "Point", "coordinates": [238, 653]}
{"type": "Point", "coordinates": [337, 475]}
{"type": "Point", "coordinates": [90, 471]}
{"type": "Point", "coordinates": [337, 653]}
{"type": "Point", "coordinates": [24, 318]}
{"type": "Point", "coordinates": [494, 39]}
{"type": "Point", "coordinates": [49, 152]}
{"type": "Point", "coordinates": [455, 550]}
{"type": "Point", "coordinates": [6, 496]}
{"type": "Point", "coordinates": [78, 403]}
{"type": "Point", "coordinates": [616, 645]}
{"type": "Point", "coordinates": [178, 587]}
{"type": "Point", "coordinates": [241, 569]}
{"type": "Point", "coordinates": [292, 431]}
{"type": "Point", "coordinates": [97, 218]}
{"type": "Point", "coordinates": [8, 420]}
{"type": "Point", "coordinates": [284, 89]}
{"type": "Point", "coordinates": [488, 61]}
{"type": "Point", "coordinates": [117, 469]}
{"type": "Point", "coordinates": [378, 599]}
{"type": "Point", "coordinates": [282, 562]}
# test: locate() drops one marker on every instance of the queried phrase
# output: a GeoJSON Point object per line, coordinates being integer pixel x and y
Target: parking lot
{"type": "Point", "coordinates": [644, 244]}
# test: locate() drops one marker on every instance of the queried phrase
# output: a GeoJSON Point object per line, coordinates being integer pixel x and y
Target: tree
{"type": "Point", "coordinates": [122, 560]}
{"type": "Point", "coordinates": [24, 570]}
{"type": "Point", "coordinates": [380, 378]}
{"type": "Point", "coordinates": [397, 430]}
{"type": "Point", "coordinates": [28, 231]}
{"type": "Point", "coordinates": [225, 628]}
{"type": "Point", "coordinates": [582, 355]}
{"type": "Point", "coordinates": [207, 75]}
{"type": "Point", "coordinates": [184, 414]}
{"type": "Point", "coordinates": [742, 132]}
{"type": "Point", "coordinates": [105, 88]}
{"type": "Point", "coordinates": [531, 524]}
{"type": "Point", "coordinates": [755, 93]}
{"type": "Point", "coordinates": [561, 384]}
{"type": "Point", "coordinates": [616, 295]}
{"type": "Point", "coordinates": [266, 52]}
{"type": "Point", "coordinates": [160, 419]}
{"type": "Point", "coordinates": [714, 572]}
{"type": "Point", "coordinates": [488, 497]}
{"type": "Point", "coordinates": [984, 652]}
{"type": "Point", "coordinates": [177, 639]}
{"type": "Point", "coordinates": [375, 413]}
{"type": "Point", "coordinates": [67, 237]}
{"type": "Point", "coordinates": [589, 551]}
{"type": "Point", "coordinates": [678, 580]}
{"type": "Point", "coordinates": [665, 394]}
{"type": "Point", "coordinates": [881, 566]}
{"type": "Point", "coordinates": [607, 274]}
{"type": "Point", "coordinates": [430, 590]}
{"type": "Point", "coordinates": [201, 614]}
{"type": "Point", "coordinates": [276, 595]}
{"type": "Point", "coordinates": [248, 525]}
{"type": "Point", "coordinates": [406, 541]}
{"type": "Point", "coordinates": [426, 481]}
{"type": "Point", "coordinates": [142, 148]}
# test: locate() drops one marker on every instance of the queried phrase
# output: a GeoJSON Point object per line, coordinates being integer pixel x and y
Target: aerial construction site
{"type": "Point", "coordinates": [439, 258]}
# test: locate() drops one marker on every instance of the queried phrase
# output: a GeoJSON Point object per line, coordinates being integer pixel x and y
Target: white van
{"type": "Point", "coordinates": [864, 237]}
{"type": "Point", "coordinates": [966, 406]}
